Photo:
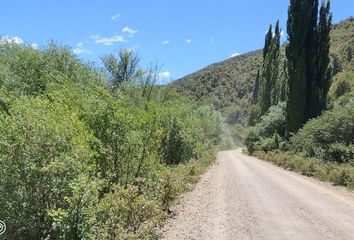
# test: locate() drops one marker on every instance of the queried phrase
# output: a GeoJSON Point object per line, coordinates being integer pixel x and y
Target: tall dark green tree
{"type": "Point", "coordinates": [256, 90]}
{"type": "Point", "coordinates": [301, 55]}
{"type": "Point", "coordinates": [268, 41]}
{"type": "Point", "coordinates": [270, 71]}
{"type": "Point", "coordinates": [324, 71]}
{"type": "Point", "coordinates": [275, 62]}
{"type": "Point", "coordinates": [283, 82]}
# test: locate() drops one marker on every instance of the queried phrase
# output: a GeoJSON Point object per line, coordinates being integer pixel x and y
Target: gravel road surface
{"type": "Point", "coordinates": [242, 197]}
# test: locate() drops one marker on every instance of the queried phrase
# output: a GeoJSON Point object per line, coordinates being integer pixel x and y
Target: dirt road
{"type": "Point", "coordinates": [245, 198]}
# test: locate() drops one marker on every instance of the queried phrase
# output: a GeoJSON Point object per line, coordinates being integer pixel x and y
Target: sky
{"type": "Point", "coordinates": [181, 35]}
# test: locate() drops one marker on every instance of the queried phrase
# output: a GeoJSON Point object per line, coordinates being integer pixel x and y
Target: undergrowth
{"type": "Point", "coordinates": [338, 174]}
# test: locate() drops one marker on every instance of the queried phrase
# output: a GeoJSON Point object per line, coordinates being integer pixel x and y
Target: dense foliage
{"type": "Point", "coordinates": [265, 134]}
{"type": "Point", "coordinates": [90, 154]}
{"type": "Point", "coordinates": [300, 127]}
{"type": "Point", "coordinates": [329, 137]}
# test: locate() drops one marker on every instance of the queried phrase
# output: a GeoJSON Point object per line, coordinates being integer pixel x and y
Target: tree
{"type": "Point", "coordinates": [283, 82]}
{"type": "Point", "coordinates": [270, 71]}
{"type": "Point", "coordinates": [256, 90]}
{"type": "Point", "coordinates": [275, 64]}
{"type": "Point", "coordinates": [301, 53]}
{"type": "Point", "coordinates": [124, 69]}
{"type": "Point", "coordinates": [149, 79]}
{"type": "Point", "coordinates": [337, 66]}
{"type": "Point", "coordinates": [324, 71]}
{"type": "Point", "coordinates": [349, 54]}
{"type": "Point", "coordinates": [268, 41]}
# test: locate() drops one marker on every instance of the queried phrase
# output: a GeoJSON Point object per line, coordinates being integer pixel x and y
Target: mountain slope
{"type": "Point", "coordinates": [228, 84]}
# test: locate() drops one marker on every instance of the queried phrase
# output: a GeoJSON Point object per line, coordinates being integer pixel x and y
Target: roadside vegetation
{"type": "Point", "coordinates": [302, 116]}
{"type": "Point", "coordinates": [90, 153]}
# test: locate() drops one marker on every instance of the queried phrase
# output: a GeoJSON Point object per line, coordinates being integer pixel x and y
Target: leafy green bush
{"type": "Point", "coordinates": [329, 137]}
{"type": "Point", "coordinates": [43, 148]}
{"type": "Point", "coordinates": [341, 90]}
{"type": "Point", "coordinates": [255, 115]}
{"type": "Point", "coordinates": [271, 124]}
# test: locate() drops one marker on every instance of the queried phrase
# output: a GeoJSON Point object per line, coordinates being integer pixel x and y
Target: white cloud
{"type": "Point", "coordinates": [11, 39]}
{"type": "Point", "coordinates": [188, 40]}
{"type": "Point", "coordinates": [234, 55]}
{"type": "Point", "coordinates": [108, 41]}
{"type": "Point", "coordinates": [165, 42]}
{"type": "Point", "coordinates": [166, 74]}
{"type": "Point", "coordinates": [115, 18]}
{"type": "Point", "coordinates": [129, 30]}
{"type": "Point", "coordinates": [80, 49]}
{"type": "Point", "coordinates": [34, 45]}
{"type": "Point", "coordinates": [282, 33]}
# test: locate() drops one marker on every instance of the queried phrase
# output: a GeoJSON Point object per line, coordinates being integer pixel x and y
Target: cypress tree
{"type": "Point", "coordinates": [268, 41]}
{"type": "Point", "coordinates": [270, 70]}
{"type": "Point", "coordinates": [256, 90]}
{"type": "Point", "coordinates": [324, 70]}
{"type": "Point", "coordinates": [300, 52]}
{"type": "Point", "coordinates": [311, 58]}
{"type": "Point", "coordinates": [275, 61]}
{"type": "Point", "coordinates": [283, 82]}
{"type": "Point", "coordinates": [309, 71]}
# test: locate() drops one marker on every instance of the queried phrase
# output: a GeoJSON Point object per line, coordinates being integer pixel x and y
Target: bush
{"type": "Point", "coordinates": [255, 115]}
{"type": "Point", "coordinates": [176, 148]}
{"type": "Point", "coordinates": [329, 137]}
{"type": "Point", "coordinates": [343, 83]}
{"type": "Point", "coordinates": [271, 124]}
{"type": "Point", "coordinates": [43, 148]}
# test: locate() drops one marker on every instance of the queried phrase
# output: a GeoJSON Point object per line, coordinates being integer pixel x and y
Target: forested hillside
{"type": "Point", "coordinates": [228, 85]}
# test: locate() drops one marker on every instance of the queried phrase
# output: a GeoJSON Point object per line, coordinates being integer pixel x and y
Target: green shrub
{"type": "Point", "coordinates": [43, 148]}
{"type": "Point", "coordinates": [176, 148]}
{"type": "Point", "coordinates": [343, 82]}
{"type": "Point", "coordinates": [262, 135]}
{"type": "Point", "coordinates": [255, 115]}
{"type": "Point", "coordinates": [329, 137]}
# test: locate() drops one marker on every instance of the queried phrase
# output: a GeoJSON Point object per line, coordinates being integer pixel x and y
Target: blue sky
{"type": "Point", "coordinates": [183, 35]}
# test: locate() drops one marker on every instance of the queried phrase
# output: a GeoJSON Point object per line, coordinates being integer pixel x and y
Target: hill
{"type": "Point", "coordinates": [228, 84]}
